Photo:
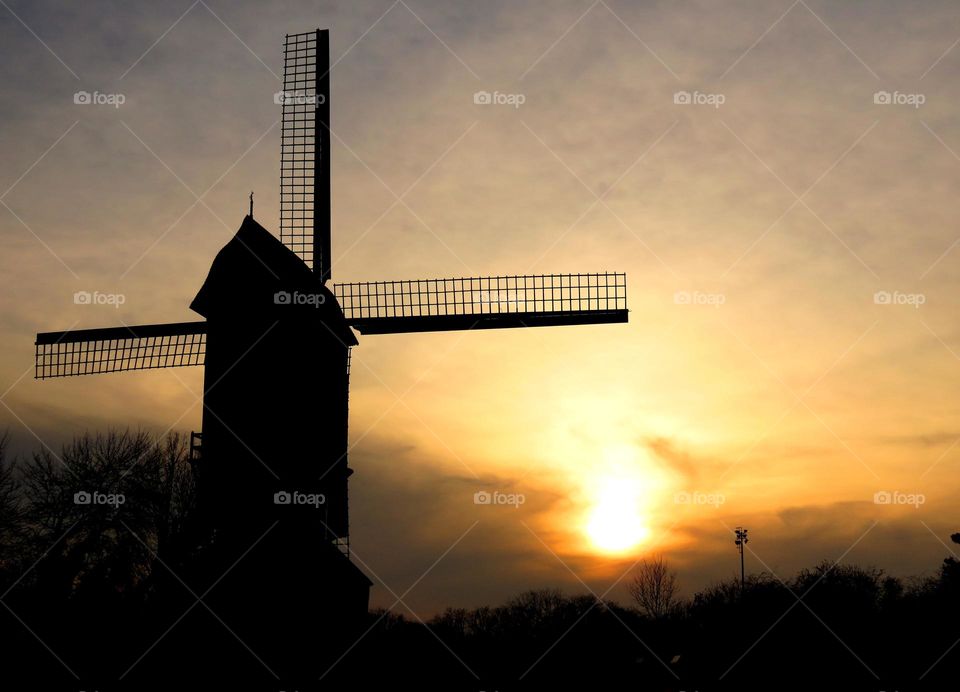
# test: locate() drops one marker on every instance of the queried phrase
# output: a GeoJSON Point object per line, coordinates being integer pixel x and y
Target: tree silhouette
{"type": "Point", "coordinates": [654, 587]}
{"type": "Point", "coordinates": [11, 512]}
{"type": "Point", "coordinates": [97, 514]}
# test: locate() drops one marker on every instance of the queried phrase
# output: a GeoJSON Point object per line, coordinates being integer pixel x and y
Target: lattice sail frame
{"type": "Point", "coordinates": [484, 302]}
{"type": "Point", "coordinates": [376, 307]}
{"type": "Point", "coordinates": [305, 149]}
{"type": "Point", "coordinates": [529, 294]}
{"type": "Point", "coordinates": [118, 349]}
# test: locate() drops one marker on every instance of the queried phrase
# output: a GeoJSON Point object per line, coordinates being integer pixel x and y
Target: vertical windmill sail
{"type": "Point", "coordinates": [305, 149]}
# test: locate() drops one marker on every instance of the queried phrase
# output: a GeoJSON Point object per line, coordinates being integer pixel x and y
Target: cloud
{"type": "Point", "coordinates": [677, 461]}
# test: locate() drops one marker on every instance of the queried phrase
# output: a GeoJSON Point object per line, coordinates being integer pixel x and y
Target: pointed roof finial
{"type": "Point", "coordinates": [251, 204]}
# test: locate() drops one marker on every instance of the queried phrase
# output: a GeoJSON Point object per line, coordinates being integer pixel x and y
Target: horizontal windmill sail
{"type": "Point", "coordinates": [377, 307]}
{"type": "Point", "coordinates": [117, 349]}
{"type": "Point", "coordinates": [489, 302]}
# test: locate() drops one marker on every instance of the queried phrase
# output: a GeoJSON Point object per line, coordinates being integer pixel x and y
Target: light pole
{"type": "Point", "coordinates": [741, 541]}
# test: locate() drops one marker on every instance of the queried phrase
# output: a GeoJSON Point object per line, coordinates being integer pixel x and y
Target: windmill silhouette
{"type": "Point", "coordinates": [275, 345]}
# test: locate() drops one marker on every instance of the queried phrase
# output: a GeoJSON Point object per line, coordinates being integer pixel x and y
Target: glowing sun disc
{"type": "Point", "coordinates": [615, 525]}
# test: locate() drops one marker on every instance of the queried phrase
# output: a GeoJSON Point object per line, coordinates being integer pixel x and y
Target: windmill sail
{"type": "Point", "coordinates": [305, 149]}
{"type": "Point", "coordinates": [373, 307]}
{"type": "Point", "coordinates": [115, 349]}
{"type": "Point", "coordinates": [489, 302]}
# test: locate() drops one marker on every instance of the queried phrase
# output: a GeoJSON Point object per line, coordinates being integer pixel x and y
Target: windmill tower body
{"type": "Point", "coordinates": [273, 467]}
{"type": "Point", "coordinates": [275, 391]}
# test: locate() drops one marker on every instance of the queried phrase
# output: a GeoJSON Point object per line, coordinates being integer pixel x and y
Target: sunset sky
{"type": "Point", "coordinates": [764, 378]}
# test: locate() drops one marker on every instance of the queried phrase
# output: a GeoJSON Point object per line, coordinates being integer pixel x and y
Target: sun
{"type": "Point", "coordinates": [615, 524]}
{"type": "Point", "coordinates": [617, 521]}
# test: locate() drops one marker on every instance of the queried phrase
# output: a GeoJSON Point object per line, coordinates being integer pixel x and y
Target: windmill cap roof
{"type": "Point", "coordinates": [251, 274]}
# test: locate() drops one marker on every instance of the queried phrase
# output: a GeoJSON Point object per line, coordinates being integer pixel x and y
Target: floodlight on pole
{"type": "Point", "coordinates": [740, 542]}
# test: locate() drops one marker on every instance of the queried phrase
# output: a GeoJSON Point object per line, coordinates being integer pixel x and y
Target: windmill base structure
{"type": "Point", "coordinates": [272, 517]}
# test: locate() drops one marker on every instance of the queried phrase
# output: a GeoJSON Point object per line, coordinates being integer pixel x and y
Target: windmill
{"type": "Point", "coordinates": [275, 345]}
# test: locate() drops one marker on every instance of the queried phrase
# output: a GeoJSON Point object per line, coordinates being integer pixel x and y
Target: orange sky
{"type": "Point", "coordinates": [758, 374]}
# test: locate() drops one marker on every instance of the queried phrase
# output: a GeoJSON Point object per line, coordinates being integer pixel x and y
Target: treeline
{"type": "Point", "coordinates": [830, 625]}
{"type": "Point", "coordinates": [95, 538]}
